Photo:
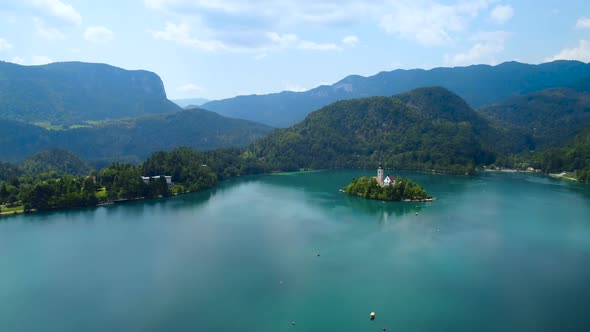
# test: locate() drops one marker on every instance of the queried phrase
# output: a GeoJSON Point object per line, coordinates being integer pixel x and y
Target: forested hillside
{"type": "Point", "coordinates": [549, 118]}
{"type": "Point", "coordinates": [426, 129]}
{"type": "Point", "coordinates": [131, 139]}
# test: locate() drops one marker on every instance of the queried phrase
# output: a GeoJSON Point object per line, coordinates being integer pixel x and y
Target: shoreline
{"type": "Point", "coordinates": [562, 176]}
{"type": "Point", "coordinates": [120, 201]}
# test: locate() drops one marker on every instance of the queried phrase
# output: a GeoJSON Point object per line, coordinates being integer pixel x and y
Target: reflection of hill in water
{"type": "Point", "coordinates": [384, 210]}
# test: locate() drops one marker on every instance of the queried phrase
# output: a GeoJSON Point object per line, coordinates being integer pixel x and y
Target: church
{"type": "Point", "coordinates": [387, 181]}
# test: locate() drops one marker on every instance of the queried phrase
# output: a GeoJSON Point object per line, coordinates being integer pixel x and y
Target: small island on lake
{"type": "Point", "coordinates": [386, 189]}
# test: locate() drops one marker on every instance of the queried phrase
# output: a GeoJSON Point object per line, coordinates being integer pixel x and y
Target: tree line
{"type": "Point", "coordinates": [190, 170]}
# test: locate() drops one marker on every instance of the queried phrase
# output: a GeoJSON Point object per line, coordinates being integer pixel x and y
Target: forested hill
{"type": "Point", "coordinates": [478, 85]}
{"type": "Point", "coordinates": [72, 92]}
{"type": "Point", "coordinates": [427, 129]}
{"type": "Point", "coordinates": [131, 139]}
{"type": "Point", "coordinates": [550, 118]}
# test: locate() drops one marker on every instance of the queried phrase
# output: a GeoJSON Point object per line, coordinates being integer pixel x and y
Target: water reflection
{"type": "Point", "coordinates": [383, 210]}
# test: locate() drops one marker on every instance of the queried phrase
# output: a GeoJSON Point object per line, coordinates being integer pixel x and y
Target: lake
{"type": "Point", "coordinates": [495, 252]}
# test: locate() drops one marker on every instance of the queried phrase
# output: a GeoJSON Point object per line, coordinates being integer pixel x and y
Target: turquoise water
{"type": "Point", "coordinates": [497, 252]}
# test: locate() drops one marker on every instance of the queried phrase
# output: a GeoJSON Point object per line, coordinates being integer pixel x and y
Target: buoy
{"type": "Point", "coordinates": [318, 254]}
{"type": "Point", "coordinates": [372, 315]}
{"type": "Point", "coordinates": [281, 282]}
{"type": "Point", "coordinates": [416, 213]}
{"type": "Point", "coordinates": [292, 322]}
{"type": "Point", "coordinates": [383, 328]}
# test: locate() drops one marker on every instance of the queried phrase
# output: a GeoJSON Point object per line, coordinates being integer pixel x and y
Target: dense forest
{"type": "Point", "coordinates": [41, 184]}
{"type": "Point", "coordinates": [403, 189]}
{"type": "Point", "coordinates": [574, 158]}
{"type": "Point", "coordinates": [548, 118]}
{"type": "Point", "coordinates": [426, 129]}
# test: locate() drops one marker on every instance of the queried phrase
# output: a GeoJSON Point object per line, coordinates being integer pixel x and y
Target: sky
{"type": "Point", "coordinates": [222, 48]}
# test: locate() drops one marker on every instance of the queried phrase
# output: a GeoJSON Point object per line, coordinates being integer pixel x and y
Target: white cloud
{"type": "Point", "coordinates": [47, 33]}
{"type": "Point", "coordinates": [40, 60]}
{"type": "Point", "coordinates": [269, 13]}
{"type": "Point", "coordinates": [183, 34]}
{"type": "Point", "coordinates": [580, 53]}
{"type": "Point", "coordinates": [190, 89]}
{"type": "Point", "coordinates": [4, 45]}
{"type": "Point", "coordinates": [501, 14]}
{"type": "Point", "coordinates": [350, 41]}
{"type": "Point", "coordinates": [18, 60]}
{"type": "Point", "coordinates": [430, 23]}
{"type": "Point", "coordinates": [583, 23]}
{"type": "Point", "coordinates": [244, 25]}
{"type": "Point", "coordinates": [487, 46]}
{"type": "Point", "coordinates": [290, 40]}
{"type": "Point", "coordinates": [98, 34]}
{"type": "Point", "coordinates": [58, 9]}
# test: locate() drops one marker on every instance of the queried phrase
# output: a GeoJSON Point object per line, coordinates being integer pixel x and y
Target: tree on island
{"type": "Point", "coordinates": [403, 189]}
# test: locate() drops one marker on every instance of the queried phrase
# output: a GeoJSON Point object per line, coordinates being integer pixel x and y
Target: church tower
{"type": "Point", "coordinates": [380, 174]}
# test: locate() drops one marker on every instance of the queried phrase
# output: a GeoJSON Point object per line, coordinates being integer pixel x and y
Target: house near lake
{"type": "Point", "coordinates": [389, 180]}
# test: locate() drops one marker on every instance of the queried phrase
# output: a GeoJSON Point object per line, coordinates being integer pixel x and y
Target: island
{"type": "Point", "coordinates": [387, 188]}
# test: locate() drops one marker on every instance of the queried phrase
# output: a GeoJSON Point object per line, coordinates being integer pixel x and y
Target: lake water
{"type": "Point", "coordinates": [496, 252]}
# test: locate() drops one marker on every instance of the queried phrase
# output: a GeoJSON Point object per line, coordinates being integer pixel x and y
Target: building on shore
{"type": "Point", "coordinates": [168, 178]}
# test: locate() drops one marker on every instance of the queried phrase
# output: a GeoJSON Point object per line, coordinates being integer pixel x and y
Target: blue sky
{"type": "Point", "coordinates": [217, 49]}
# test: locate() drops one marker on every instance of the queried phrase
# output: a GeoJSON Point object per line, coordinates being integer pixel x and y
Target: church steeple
{"type": "Point", "coordinates": [380, 174]}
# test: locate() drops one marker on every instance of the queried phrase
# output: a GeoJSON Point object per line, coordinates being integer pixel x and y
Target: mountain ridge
{"type": "Point", "coordinates": [74, 92]}
{"type": "Point", "coordinates": [477, 84]}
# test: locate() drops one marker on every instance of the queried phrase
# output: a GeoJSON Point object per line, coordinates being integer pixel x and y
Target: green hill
{"type": "Point", "coordinates": [427, 128]}
{"type": "Point", "coordinates": [131, 139]}
{"type": "Point", "coordinates": [73, 92]}
{"type": "Point", "coordinates": [478, 85]}
{"type": "Point", "coordinates": [549, 118]}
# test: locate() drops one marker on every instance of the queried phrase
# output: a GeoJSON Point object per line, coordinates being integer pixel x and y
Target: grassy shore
{"type": "Point", "coordinates": [6, 211]}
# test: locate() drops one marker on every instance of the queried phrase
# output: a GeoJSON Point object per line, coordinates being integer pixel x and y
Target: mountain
{"type": "Point", "coordinates": [68, 93]}
{"type": "Point", "coordinates": [478, 85]}
{"type": "Point", "coordinates": [549, 118]}
{"type": "Point", "coordinates": [426, 129]}
{"type": "Point", "coordinates": [131, 139]}
{"type": "Point", "coordinates": [190, 102]}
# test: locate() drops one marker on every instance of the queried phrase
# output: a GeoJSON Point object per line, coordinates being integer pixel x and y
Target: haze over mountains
{"type": "Point", "coordinates": [529, 107]}
{"type": "Point", "coordinates": [109, 114]}
{"type": "Point", "coordinates": [131, 139]}
{"type": "Point", "coordinates": [478, 85]}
